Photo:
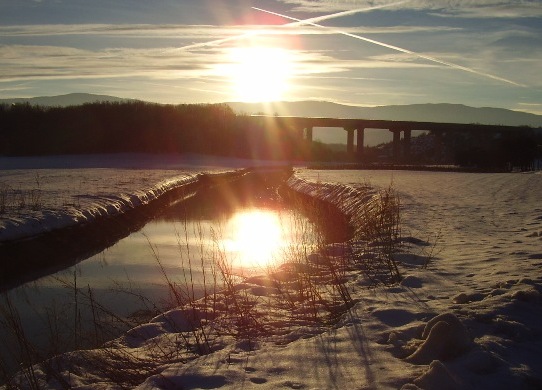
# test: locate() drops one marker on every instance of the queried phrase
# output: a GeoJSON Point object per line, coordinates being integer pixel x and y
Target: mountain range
{"type": "Point", "coordinates": [71, 99]}
{"type": "Point", "coordinates": [441, 112]}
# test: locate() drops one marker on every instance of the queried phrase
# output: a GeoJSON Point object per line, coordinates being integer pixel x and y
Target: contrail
{"type": "Point", "coordinates": [297, 23]}
{"type": "Point", "coordinates": [425, 57]}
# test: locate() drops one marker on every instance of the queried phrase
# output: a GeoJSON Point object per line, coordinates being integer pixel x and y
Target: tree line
{"type": "Point", "coordinates": [141, 127]}
{"type": "Point", "coordinates": [510, 150]}
{"type": "Point", "coordinates": [498, 150]}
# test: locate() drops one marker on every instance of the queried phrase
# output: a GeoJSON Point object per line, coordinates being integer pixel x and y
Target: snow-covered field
{"type": "Point", "coordinates": [470, 319]}
{"type": "Point", "coordinates": [487, 270]}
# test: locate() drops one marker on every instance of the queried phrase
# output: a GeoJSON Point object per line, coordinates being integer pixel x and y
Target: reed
{"type": "Point", "coordinates": [378, 225]}
{"type": "Point", "coordinates": [21, 199]}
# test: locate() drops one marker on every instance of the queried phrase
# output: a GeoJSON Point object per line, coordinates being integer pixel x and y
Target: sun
{"type": "Point", "coordinates": [259, 74]}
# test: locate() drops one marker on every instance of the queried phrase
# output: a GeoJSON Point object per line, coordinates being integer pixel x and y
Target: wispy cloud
{"type": "Point", "coordinates": [26, 62]}
{"type": "Point", "coordinates": [20, 62]}
{"type": "Point", "coordinates": [326, 6]}
{"type": "Point", "coordinates": [448, 8]}
{"type": "Point", "coordinates": [127, 30]}
{"type": "Point", "coordinates": [419, 55]}
{"type": "Point", "coordinates": [15, 88]}
{"type": "Point", "coordinates": [376, 63]}
{"type": "Point", "coordinates": [200, 32]}
{"type": "Point", "coordinates": [485, 9]}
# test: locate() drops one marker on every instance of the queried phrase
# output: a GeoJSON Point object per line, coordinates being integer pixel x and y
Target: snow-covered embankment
{"type": "Point", "coordinates": [89, 209]}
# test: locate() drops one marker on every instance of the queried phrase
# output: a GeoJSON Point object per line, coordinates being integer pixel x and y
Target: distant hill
{"type": "Point", "coordinates": [442, 112]}
{"type": "Point", "coordinates": [71, 99]}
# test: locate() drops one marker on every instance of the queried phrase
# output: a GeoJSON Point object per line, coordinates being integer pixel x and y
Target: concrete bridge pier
{"type": "Point", "coordinates": [360, 142]}
{"type": "Point", "coordinates": [439, 145]}
{"type": "Point", "coordinates": [401, 149]}
{"type": "Point", "coordinates": [396, 144]}
{"type": "Point", "coordinates": [350, 140]}
{"type": "Point", "coordinates": [305, 133]}
{"type": "Point", "coordinates": [406, 143]}
{"type": "Point", "coordinates": [308, 134]}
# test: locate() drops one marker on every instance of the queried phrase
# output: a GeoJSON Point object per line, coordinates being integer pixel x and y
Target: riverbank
{"type": "Point", "coordinates": [54, 239]}
{"type": "Point", "coordinates": [57, 210]}
{"type": "Point", "coordinates": [39, 194]}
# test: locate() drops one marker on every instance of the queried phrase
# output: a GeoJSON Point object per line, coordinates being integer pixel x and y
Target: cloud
{"type": "Point", "coordinates": [14, 88]}
{"type": "Point", "coordinates": [136, 56]}
{"type": "Point", "coordinates": [446, 8]}
{"type": "Point", "coordinates": [328, 6]}
{"type": "Point", "coordinates": [126, 31]}
{"type": "Point", "coordinates": [489, 9]}
{"type": "Point", "coordinates": [410, 52]}
{"type": "Point", "coordinates": [200, 32]}
{"type": "Point", "coordinates": [28, 62]}
{"type": "Point", "coordinates": [23, 62]}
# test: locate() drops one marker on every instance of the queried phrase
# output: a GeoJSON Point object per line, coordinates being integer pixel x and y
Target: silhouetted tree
{"type": "Point", "coordinates": [138, 127]}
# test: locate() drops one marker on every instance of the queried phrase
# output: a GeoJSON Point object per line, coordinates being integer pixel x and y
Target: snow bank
{"type": "Point", "coordinates": [347, 198]}
{"type": "Point", "coordinates": [17, 225]}
{"type": "Point", "coordinates": [44, 193]}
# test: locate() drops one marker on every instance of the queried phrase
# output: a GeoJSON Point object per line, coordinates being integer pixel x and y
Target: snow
{"type": "Point", "coordinates": [465, 315]}
{"type": "Point", "coordinates": [62, 191]}
{"type": "Point", "coordinates": [87, 201]}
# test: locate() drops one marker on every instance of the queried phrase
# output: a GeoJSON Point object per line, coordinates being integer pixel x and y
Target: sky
{"type": "Point", "coordinates": [482, 53]}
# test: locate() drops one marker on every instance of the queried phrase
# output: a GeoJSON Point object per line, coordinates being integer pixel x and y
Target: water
{"type": "Point", "coordinates": [244, 231]}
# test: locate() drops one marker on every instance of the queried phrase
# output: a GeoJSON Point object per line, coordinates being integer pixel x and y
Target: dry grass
{"type": "Point", "coordinates": [378, 225]}
{"type": "Point", "coordinates": [19, 199]}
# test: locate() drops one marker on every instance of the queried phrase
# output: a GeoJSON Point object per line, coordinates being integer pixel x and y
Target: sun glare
{"type": "Point", "coordinates": [260, 73]}
{"type": "Point", "coordinates": [256, 238]}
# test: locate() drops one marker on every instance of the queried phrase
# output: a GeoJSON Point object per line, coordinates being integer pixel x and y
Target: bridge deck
{"type": "Point", "coordinates": [350, 123]}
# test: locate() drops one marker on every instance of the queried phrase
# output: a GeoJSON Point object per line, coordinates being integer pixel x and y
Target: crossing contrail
{"type": "Point", "coordinates": [311, 22]}
{"type": "Point", "coordinates": [297, 23]}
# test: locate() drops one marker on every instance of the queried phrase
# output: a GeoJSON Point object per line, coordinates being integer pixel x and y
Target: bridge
{"type": "Point", "coordinates": [303, 126]}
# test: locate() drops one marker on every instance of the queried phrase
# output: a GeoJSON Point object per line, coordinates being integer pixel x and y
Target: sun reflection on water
{"type": "Point", "coordinates": [255, 238]}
